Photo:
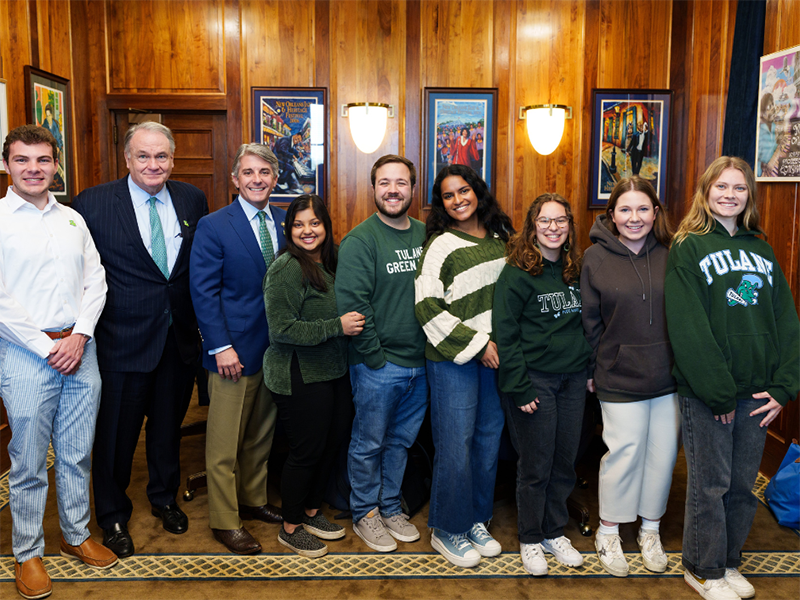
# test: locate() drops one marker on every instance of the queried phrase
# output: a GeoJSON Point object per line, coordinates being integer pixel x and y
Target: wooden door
{"type": "Point", "coordinates": [201, 151]}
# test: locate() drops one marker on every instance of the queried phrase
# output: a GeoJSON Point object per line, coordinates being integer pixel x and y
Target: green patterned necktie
{"type": "Point", "coordinates": [265, 238]}
{"type": "Point", "coordinates": [157, 240]}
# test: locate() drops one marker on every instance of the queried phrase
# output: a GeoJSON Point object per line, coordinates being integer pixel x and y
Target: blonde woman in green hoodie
{"type": "Point", "coordinates": [736, 337]}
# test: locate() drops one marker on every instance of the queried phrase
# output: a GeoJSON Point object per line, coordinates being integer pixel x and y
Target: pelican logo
{"type": "Point", "coordinates": [746, 294]}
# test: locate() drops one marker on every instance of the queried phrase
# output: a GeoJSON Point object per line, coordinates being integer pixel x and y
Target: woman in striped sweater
{"type": "Point", "coordinates": [464, 254]}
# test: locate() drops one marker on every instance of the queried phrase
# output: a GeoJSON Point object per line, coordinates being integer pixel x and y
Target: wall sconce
{"type": "Point", "coordinates": [545, 125]}
{"type": "Point", "coordinates": [367, 123]}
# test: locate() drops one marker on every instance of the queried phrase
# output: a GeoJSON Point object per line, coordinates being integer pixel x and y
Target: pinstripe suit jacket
{"type": "Point", "coordinates": [133, 328]}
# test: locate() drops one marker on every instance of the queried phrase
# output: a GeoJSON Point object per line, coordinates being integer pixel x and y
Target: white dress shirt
{"type": "Point", "coordinates": [251, 212]}
{"type": "Point", "coordinates": [167, 214]}
{"type": "Point", "coordinates": [50, 273]}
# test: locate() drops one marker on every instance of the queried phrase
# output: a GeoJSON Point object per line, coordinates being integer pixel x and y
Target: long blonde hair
{"type": "Point", "coordinates": [700, 220]}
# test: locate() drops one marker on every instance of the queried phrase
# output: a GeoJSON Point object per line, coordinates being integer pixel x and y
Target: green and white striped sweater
{"type": "Point", "coordinates": [454, 288]}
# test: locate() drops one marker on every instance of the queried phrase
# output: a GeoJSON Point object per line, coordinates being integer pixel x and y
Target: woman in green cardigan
{"type": "Point", "coordinates": [305, 368]}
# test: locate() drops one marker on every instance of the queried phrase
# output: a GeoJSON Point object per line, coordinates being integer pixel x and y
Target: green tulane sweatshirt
{"type": "Point", "coordinates": [537, 325]}
{"type": "Point", "coordinates": [731, 320]}
{"type": "Point", "coordinates": [375, 276]}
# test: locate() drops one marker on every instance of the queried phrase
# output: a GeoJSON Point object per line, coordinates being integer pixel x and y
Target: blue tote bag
{"type": "Point", "coordinates": [783, 491]}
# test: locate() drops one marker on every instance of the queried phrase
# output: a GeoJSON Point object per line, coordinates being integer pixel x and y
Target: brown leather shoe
{"type": "Point", "coordinates": [238, 541]}
{"type": "Point", "coordinates": [91, 553]}
{"type": "Point", "coordinates": [266, 513]}
{"type": "Point", "coordinates": [32, 579]}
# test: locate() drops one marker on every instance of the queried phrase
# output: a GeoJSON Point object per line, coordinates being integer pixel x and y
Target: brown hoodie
{"type": "Point", "coordinates": [624, 319]}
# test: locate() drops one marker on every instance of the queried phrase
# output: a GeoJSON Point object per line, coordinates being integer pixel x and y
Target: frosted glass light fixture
{"type": "Point", "coordinates": [367, 123]}
{"type": "Point", "coordinates": [545, 125]}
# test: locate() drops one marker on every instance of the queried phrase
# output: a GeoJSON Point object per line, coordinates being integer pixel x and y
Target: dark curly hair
{"type": "Point", "coordinates": [489, 211]}
{"type": "Point", "coordinates": [523, 251]}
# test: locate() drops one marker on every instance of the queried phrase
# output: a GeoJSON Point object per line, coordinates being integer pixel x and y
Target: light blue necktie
{"type": "Point", "coordinates": [157, 244]}
{"type": "Point", "coordinates": [265, 238]}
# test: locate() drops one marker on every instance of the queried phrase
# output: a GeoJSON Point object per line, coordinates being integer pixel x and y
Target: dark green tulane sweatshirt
{"type": "Point", "coordinates": [731, 320]}
{"type": "Point", "coordinates": [537, 325]}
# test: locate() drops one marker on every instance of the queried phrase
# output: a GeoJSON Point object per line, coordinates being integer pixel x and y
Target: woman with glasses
{"type": "Point", "coordinates": [622, 284]}
{"type": "Point", "coordinates": [543, 357]}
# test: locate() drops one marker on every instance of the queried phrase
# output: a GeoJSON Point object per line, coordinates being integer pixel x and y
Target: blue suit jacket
{"type": "Point", "coordinates": [227, 270]}
{"type": "Point", "coordinates": [133, 328]}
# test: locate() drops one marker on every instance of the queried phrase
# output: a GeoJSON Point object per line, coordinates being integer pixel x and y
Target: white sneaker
{"type": "Point", "coordinates": [482, 541]}
{"type": "Point", "coordinates": [455, 548]}
{"type": "Point", "coordinates": [653, 555]}
{"type": "Point", "coordinates": [609, 552]}
{"type": "Point", "coordinates": [562, 549]}
{"type": "Point", "coordinates": [710, 589]}
{"type": "Point", "coordinates": [739, 584]}
{"type": "Point", "coordinates": [533, 559]}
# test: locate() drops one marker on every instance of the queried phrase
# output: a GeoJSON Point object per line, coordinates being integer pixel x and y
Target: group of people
{"type": "Point", "coordinates": [693, 333]}
{"type": "Point", "coordinates": [460, 146]}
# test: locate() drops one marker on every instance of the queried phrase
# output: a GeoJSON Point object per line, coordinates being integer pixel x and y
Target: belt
{"type": "Point", "coordinates": [59, 335]}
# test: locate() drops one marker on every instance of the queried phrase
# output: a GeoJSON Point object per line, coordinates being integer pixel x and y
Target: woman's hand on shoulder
{"type": "Point", "coordinates": [530, 408]}
{"type": "Point", "coordinates": [772, 408]}
{"type": "Point", "coordinates": [352, 323]}
{"type": "Point", "coordinates": [490, 357]}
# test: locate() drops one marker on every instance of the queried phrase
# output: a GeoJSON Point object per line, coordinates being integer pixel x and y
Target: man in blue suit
{"type": "Point", "coordinates": [147, 339]}
{"type": "Point", "coordinates": [231, 253]}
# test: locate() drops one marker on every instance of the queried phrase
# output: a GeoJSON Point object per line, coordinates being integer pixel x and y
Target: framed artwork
{"type": "Point", "coordinates": [459, 126]}
{"type": "Point", "coordinates": [293, 122]}
{"type": "Point", "coordinates": [4, 127]}
{"type": "Point", "coordinates": [48, 103]}
{"type": "Point", "coordinates": [778, 126]}
{"type": "Point", "coordinates": [630, 136]}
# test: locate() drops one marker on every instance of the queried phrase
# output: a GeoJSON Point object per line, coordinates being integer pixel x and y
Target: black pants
{"type": "Point", "coordinates": [162, 395]}
{"type": "Point", "coordinates": [316, 417]}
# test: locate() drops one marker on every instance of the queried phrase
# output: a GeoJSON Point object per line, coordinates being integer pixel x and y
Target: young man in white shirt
{"type": "Point", "coordinates": [52, 291]}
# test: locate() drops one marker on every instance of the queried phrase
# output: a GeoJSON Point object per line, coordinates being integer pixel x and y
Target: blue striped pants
{"type": "Point", "coordinates": [42, 403]}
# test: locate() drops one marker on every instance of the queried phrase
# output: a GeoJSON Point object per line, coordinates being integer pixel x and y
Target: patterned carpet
{"type": "Point", "coordinates": [360, 566]}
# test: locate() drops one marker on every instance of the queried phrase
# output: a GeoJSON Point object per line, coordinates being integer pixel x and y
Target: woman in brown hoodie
{"type": "Point", "coordinates": [622, 287]}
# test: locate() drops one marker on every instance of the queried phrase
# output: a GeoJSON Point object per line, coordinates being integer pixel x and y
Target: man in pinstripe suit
{"type": "Point", "coordinates": [52, 289]}
{"type": "Point", "coordinates": [147, 337]}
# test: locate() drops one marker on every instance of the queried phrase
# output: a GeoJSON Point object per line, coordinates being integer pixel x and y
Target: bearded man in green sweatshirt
{"type": "Point", "coordinates": [375, 276]}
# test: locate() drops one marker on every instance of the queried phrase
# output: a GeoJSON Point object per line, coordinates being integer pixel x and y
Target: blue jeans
{"type": "Point", "coordinates": [390, 407]}
{"type": "Point", "coordinates": [466, 422]}
{"type": "Point", "coordinates": [722, 463]}
{"type": "Point", "coordinates": [547, 443]}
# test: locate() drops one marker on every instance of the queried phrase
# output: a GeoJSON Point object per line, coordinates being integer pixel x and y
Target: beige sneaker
{"type": "Point", "coordinates": [710, 589]}
{"type": "Point", "coordinates": [400, 529]}
{"type": "Point", "coordinates": [372, 530]}
{"type": "Point", "coordinates": [653, 556]}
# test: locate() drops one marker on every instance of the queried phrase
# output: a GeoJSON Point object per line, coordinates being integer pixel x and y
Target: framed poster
{"type": "Point", "coordinates": [778, 127]}
{"type": "Point", "coordinates": [48, 103]}
{"type": "Point", "coordinates": [4, 127]}
{"type": "Point", "coordinates": [630, 136]}
{"type": "Point", "coordinates": [293, 122]}
{"type": "Point", "coordinates": [458, 128]}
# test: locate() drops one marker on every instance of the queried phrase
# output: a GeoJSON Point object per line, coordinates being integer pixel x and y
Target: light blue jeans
{"type": "Point", "coordinates": [466, 422]}
{"type": "Point", "coordinates": [42, 403]}
{"type": "Point", "coordinates": [390, 406]}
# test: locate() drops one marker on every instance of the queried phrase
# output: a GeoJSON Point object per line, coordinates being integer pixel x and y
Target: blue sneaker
{"type": "Point", "coordinates": [455, 548]}
{"type": "Point", "coordinates": [483, 541]}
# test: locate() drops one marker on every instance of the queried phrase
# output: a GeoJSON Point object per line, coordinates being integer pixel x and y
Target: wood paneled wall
{"type": "Point", "coordinates": [205, 55]}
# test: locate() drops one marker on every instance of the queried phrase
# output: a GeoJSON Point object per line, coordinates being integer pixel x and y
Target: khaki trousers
{"type": "Point", "coordinates": [241, 424]}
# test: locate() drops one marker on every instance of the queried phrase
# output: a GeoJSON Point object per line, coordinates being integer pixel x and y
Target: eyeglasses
{"type": "Point", "coordinates": [544, 222]}
{"type": "Point", "coordinates": [143, 159]}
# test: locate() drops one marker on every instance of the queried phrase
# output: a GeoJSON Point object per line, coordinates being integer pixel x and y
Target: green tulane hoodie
{"type": "Point", "coordinates": [731, 320]}
{"type": "Point", "coordinates": [537, 325]}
